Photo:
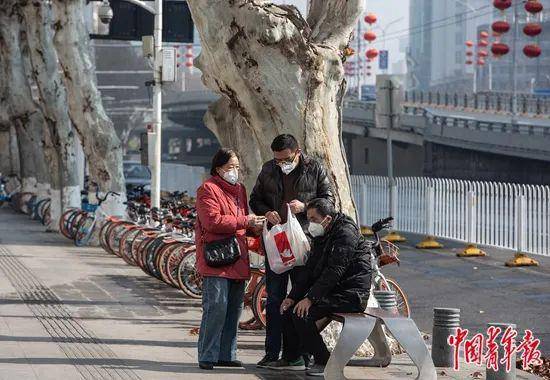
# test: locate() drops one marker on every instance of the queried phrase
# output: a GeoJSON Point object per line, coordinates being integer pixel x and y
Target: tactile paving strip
{"type": "Point", "coordinates": [92, 358]}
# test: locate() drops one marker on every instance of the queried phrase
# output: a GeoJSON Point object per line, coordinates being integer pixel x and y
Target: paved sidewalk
{"type": "Point", "coordinates": [80, 313]}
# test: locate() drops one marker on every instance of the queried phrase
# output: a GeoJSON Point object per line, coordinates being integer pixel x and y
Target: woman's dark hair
{"type": "Point", "coordinates": [323, 206]}
{"type": "Point", "coordinates": [283, 142]}
{"type": "Point", "coordinates": [222, 156]}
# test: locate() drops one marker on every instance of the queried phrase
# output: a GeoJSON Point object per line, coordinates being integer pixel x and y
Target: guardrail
{"type": "Point", "coordinates": [495, 214]}
{"type": "Point", "coordinates": [494, 102]}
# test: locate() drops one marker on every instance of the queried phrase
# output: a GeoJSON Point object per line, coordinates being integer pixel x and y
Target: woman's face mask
{"type": "Point", "coordinates": [231, 176]}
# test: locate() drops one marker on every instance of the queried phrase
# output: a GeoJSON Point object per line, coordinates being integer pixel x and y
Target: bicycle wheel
{"type": "Point", "coordinates": [401, 298]}
{"type": "Point", "coordinates": [64, 222]}
{"type": "Point", "coordinates": [125, 248]}
{"type": "Point", "coordinates": [174, 261]}
{"type": "Point", "coordinates": [162, 258]}
{"type": "Point", "coordinates": [114, 235]}
{"type": "Point", "coordinates": [189, 279]}
{"type": "Point", "coordinates": [259, 301]}
{"type": "Point", "coordinates": [85, 230]}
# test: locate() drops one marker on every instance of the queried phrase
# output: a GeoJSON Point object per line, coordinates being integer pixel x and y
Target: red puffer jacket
{"type": "Point", "coordinates": [222, 209]}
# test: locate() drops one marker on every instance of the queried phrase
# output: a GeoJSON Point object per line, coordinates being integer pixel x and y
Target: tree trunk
{"type": "Point", "coordinates": [24, 114]}
{"type": "Point", "coordinates": [101, 145]}
{"type": "Point", "coordinates": [277, 74]}
{"type": "Point", "coordinates": [39, 24]}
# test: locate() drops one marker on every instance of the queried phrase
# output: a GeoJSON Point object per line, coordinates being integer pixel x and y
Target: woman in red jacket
{"type": "Point", "coordinates": [222, 213]}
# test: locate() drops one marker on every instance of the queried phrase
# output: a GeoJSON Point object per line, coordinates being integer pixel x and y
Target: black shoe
{"type": "Point", "coordinates": [206, 365]}
{"type": "Point", "coordinates": [265, 362]}
{"type": "Point", "coordinates": [316, 370]}
{"type": "Point", "coordinates": [232, 363]}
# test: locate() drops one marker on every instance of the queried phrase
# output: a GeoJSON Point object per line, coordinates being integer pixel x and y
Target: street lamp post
{"type": "Point", "coordinates": [384, 30]}
{"type": "Point", "coordinates": [157, 97]}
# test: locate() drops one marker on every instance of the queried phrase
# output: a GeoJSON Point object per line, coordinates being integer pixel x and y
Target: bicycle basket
{"type": "Point", "coordinates": [389, 253]}
{"type": "Point", "coordinates": [88, 207]}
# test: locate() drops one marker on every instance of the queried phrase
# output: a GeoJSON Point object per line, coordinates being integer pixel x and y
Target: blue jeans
{"type": "Point", "coordinates": [276, 287]}
{"type": "Point", "coordinates": [222, 303]}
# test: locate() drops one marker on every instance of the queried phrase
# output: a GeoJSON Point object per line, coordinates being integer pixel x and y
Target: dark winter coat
{"type": "Point", "coordinates": [312, 182]}
{"type": "Point", "coordinates": [338, 270]}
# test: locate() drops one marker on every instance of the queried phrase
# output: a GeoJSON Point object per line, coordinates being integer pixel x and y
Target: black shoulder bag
{"type": "Point", "coordinates": [220, 253]}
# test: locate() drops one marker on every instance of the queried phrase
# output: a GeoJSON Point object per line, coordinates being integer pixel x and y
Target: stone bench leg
{"type": "Point", "coordinates": [354, 332]}
{"type": "Point", "coordinates": [408, 336]}
{"type": "Point", "coordinates": [382, 351]}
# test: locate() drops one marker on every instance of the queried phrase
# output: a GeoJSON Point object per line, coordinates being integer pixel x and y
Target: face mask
{"type": "Point", "coordinates": [316, 229]}
{"type": "Point", "coordinates": [231, 176]}
{"type": "Point", "coordinates": [287, 168]}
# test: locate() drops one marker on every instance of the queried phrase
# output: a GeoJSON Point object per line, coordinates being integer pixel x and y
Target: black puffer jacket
{"type": "Point", "coordinates": [311, 183]}
{"type": "Point", "coordinates": [338, 269]}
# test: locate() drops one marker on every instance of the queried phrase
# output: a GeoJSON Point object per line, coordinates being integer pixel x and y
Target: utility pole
{"type": "Point", "coordinates": [157, 107]}
{"type": "Point", "coordinates": [359, 68]}
{"type": "Point", "coordinates": [515, 4]}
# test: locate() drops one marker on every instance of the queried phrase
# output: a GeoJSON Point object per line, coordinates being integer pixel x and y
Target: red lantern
{"type": "Point", "coordinates": [482, 53]}
{"type": "Point", "coordinates": [469, 43]}
{"type": "Point", "coordinates": [532, 51]}
{"type": "Point", "coordinates": [469, 53]}
{"type": "Point", "coordinates": [469, 62]}
{"type": "Point", "coordinates": [480, 62]}
{"type": "Point", "coordinates": [189, 46]}
{"type": "Point", "coordinates": [502, 4]}
{"type": "Point", "coordinates": [372, 53]}
{"type": "Point", "coordinates": [533, 6]}
{"type": "Point", "coordinates": [499, 49]}
{"type": "Point", "coordinates": [370, 18]}
{"type": "Point", "coordinates": [532, 29]}
{"type": "Point", "coordinates": [500, 26]}
{"type": "Point", "coordinates": [189, 64]}
{"type": "Point", "coordinates": [369, 36]}
{"type": "Point", "coordinates": [189, 55]}
{"type": "Point", "coordinates": [483, 34]}
{"type": "Point", "coordinates": [483, 43]}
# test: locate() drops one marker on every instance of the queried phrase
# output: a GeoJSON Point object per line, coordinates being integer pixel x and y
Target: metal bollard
{"type": "Point", "coordinates": [501, 374]}
{"type": "Point", "coordinates": [385, 298]}
{"type": "Point", "coordinates": [446, 321]}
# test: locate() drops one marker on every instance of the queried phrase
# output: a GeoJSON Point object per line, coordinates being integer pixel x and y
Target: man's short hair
{"type": "Point", "coordinates": [323, 206]}
{"type": "Point", "coordinates": [284, 141]}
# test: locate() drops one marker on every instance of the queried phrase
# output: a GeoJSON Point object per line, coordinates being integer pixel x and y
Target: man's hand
{"type": "Point", "coordinates": [286, 304]}
{"type": "Point", "coordinates": [273, 217]}
{"type": "Point", "coordinates": [302, 308]}
{"type": "Point", "coordinates": [296, 206]}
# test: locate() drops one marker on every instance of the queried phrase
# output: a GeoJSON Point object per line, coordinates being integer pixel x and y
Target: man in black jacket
{"type": "Point", "coordinates": [290, 178]}
{"type": "Point", "coordinates": [336, 278]}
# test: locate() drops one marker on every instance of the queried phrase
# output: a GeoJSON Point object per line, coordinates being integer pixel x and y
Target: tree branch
{"type": "Point", "coordinates": [332, 21]}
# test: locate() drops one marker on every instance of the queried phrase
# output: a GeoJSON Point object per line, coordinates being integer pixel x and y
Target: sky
{"type": "Point", "coordinates": [387, 11]}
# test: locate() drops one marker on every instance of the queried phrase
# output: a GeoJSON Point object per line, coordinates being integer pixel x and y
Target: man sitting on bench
{"type": "Point", "coordinates": [336, 278]}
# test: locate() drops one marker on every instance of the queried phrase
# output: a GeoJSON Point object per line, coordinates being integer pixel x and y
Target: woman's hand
{"type": "Point", "coordinates": [273, 217]}
{"type": "Point", "coordinates": [255, 221]}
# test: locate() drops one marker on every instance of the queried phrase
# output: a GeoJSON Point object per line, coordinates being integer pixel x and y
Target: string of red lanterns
{"type": "Point", "coordinates": [531, 29]}
{"type": "Point", "coordinates": [370, 37]}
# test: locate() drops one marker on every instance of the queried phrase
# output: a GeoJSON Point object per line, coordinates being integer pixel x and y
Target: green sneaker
{"type": "Point", "coordinates": [286, 365]}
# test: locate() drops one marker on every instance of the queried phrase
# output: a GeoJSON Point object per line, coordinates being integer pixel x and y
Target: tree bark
{"type": "Point", "coordinates": [24, 114]}
{"type": "Point", "coordinates": [101, 145]}
{"type": "Point", "coordinates": [39, 23]}
{"type": "Point", "coordinates": [277, 74]}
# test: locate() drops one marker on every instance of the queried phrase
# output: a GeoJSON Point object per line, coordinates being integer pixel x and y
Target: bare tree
{"type": "Point", "coordinates": [278, 73]}
{"type": "Point", "coordinates": [101, 145]}
{"type": "Point", "coordinates": [23, 112]}
{"type": "Point", "coordinates": [42, 62]}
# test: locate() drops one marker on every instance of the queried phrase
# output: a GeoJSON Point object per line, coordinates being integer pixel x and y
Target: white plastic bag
{"type": "Point", "coordinates": [286, 245]}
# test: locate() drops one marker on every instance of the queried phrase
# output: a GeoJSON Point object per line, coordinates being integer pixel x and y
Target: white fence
{"type": "Point", "coordinates": [489, 213]}
{"type": "Point", "coordinates": [180, 177]}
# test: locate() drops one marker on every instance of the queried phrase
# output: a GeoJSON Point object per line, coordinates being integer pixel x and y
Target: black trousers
{"type": "Point", "coordinates": [301, 334]}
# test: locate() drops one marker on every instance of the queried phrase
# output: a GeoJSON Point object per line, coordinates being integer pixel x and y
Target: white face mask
{"type": "Point", "coordinates": [231, 176]}
{"type": "Point", "coordinates": [316, 229]}
{"type": "Point", "coordinates": [287, 168]}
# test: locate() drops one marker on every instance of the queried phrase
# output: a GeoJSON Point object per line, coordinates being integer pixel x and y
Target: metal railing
{"type": "Point", "coordinates": [495, 214]}
{"type": "Point", "coordinates": [493, 102]}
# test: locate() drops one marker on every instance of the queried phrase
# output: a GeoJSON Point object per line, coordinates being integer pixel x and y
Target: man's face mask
{"type": "Point", "coordinates": [318, 229]}
{"type": "Point", "coordinates": [287, 166]}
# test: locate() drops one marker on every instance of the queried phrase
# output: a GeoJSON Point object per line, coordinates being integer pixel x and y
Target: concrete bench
{"type": "Point", "coordinates": [358, 327]}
